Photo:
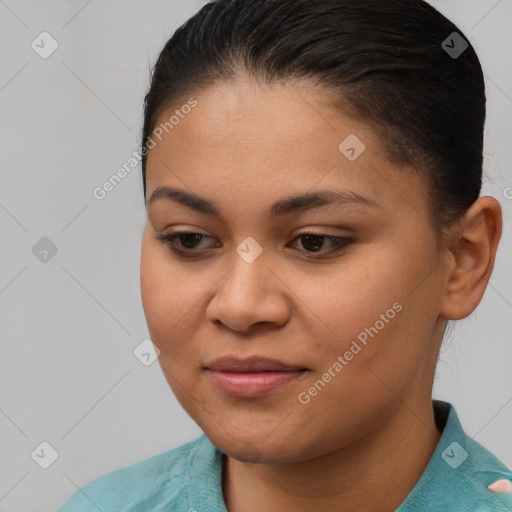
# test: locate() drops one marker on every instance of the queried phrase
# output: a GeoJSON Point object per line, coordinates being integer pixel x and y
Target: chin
{"type": "Point", "coordinates": [255, 449]}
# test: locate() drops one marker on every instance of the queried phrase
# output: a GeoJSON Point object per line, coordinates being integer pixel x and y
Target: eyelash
{"type": "Point", "coordinates": [340, 243]}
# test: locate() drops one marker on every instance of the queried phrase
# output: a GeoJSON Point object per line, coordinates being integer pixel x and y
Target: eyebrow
{"type": "Point", "coordinates": [281, 208]}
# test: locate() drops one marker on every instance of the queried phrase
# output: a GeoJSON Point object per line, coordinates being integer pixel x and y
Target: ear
{"type": "Point", "coordinates": [471, 258]}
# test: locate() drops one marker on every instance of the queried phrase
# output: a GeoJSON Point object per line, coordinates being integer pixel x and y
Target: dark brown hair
{"type": "Point", "coordinates": [386, 61]}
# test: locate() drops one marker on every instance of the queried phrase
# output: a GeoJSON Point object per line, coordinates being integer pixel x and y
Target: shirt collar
{"type": "Point", "coordinates": [457, 458]}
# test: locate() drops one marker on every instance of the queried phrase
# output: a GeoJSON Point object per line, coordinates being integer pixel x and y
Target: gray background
{"type": "Point", "coordinates": [68, 326]}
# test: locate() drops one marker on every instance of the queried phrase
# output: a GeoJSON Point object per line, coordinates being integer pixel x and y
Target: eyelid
{"type": "Point", "coordinates": [340, 244]}
{"type": "Point", "coordinates": [314, 231]}
{"type": "Point", "coordinates": [326, 231]}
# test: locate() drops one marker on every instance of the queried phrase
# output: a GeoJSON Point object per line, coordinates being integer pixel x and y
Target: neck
{"type": "Point", "coordinates": [376, 472]}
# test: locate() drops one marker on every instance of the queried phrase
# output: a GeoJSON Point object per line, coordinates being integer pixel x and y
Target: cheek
{"type": "Point", "coordinates": [350, 297]}
{"type": "Point", "coordinates": [168, 294]}
{"type": "Point", "coordinates": [153, 283]}
{"type": "Point", "coordinates": [365, 312]}
{"type": "Point", "coordinates": [169, 299]}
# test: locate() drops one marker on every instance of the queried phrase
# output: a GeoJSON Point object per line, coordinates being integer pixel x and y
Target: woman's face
{"type": "Point", "coordinates": [359, 326]}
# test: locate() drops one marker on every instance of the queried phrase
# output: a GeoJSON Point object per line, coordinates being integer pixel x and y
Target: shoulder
{"type": "Point", "coordinates": [142, 485]}
{"type": "Point", "coordinates": [483, 469]}
{"type": "Point", "coordinates": [458, 474]}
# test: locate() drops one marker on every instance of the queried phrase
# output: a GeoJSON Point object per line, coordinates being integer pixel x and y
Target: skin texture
{"type": "Point", "coordinates": [244, 146]}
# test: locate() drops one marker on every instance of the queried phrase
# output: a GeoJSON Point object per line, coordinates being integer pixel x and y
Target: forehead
{"type": "Point", "coordinates": [256, 142]}
{"type": "Point", "coordinates": [283, 120]}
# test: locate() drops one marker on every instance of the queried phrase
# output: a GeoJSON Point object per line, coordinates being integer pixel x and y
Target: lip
{"type": "Point", "coordinates": [252, 377]}
{"type": "Point", "coordinates": [250, 364]}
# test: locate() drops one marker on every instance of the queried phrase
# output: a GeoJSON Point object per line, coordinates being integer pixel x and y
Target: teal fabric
{"type": "Point", "coordinates": [188, 479]}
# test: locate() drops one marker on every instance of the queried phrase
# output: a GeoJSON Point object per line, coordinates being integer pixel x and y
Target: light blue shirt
{"type": "Point", "coordinates": [188, 479]}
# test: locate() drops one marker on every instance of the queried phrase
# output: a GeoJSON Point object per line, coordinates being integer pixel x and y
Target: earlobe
{"type": "Point", "coordinates": [472, 258]}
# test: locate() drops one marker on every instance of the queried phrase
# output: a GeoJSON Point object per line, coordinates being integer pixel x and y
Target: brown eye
{"type": "Point", "coordinates": [315, 242]}
{"type": "Point", "coordinates": [183, 244]}
{"type": "Point", "coordinates": [186, 244]}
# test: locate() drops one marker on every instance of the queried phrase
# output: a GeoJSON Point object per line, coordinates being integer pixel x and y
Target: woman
{"type": "Point", "coordinates": [312, 172]}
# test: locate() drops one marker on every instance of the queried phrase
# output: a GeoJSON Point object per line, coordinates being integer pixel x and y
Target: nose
{"type": "Point", "coordinates": [249, 294]}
